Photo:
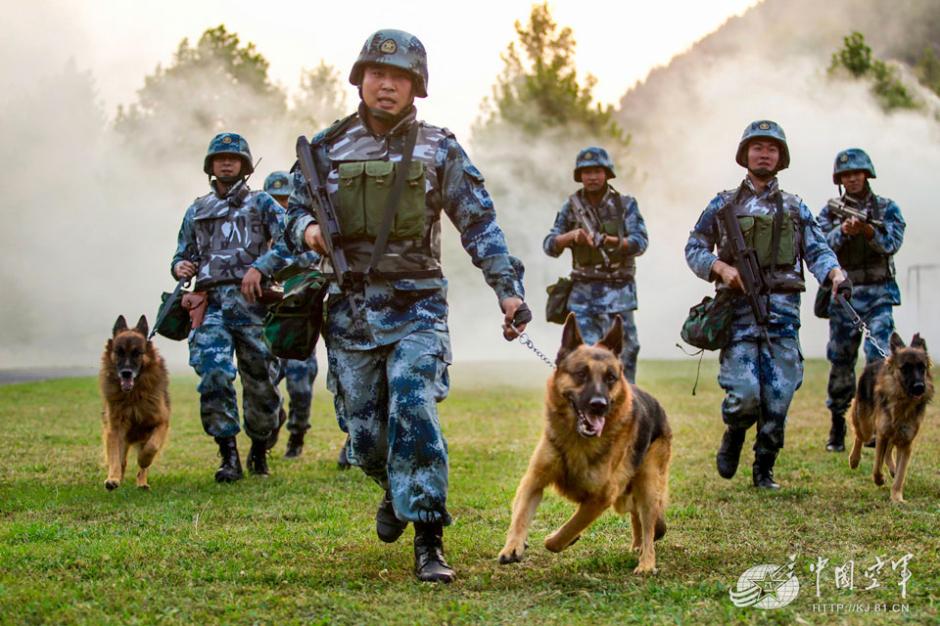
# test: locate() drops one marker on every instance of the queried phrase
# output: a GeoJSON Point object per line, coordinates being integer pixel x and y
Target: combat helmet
{"type": "Point", "coordinates": [851, 160]}
{"type": "Point", "coordinates": [229, 143]}
{"type": "Point", "coordinates": [592, 156]}
{"type": "Point", "coordinates": [278, 184]}
{"type": "Point", "coordinates": [770, 130]}
{"type": "Point", "coordinates": [397, 49]}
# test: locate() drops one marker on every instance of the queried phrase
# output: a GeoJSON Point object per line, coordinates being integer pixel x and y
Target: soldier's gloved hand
{"type": "Point", "coordinates": [251, 285]}
{"type": "Point", "coordinates": [314, 239]}
{"type": "Point", "coordinates": [184, 269]}
{"type": "Point", "coordinates": [841, 285]}
{"type": "Point", "coordinates": [511, 307]}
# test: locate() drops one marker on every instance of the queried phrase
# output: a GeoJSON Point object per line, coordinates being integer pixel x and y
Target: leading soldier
{"type": "Point", "coordinates": [225, 242]}
{"type": "Point", "coordinates": [866, 247]}
{"type": "Point", "coordinates": [603, 271]}
{"type": "Point", "coordinates": [387, 339]}
{"type": "Point", "coordinates": [761, 367]}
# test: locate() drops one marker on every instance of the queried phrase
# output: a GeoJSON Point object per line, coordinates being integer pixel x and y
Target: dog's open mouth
{"type": "Point", "coordinates": [127, 381]}
{"type": "Point", "coordinates": [589, 424]}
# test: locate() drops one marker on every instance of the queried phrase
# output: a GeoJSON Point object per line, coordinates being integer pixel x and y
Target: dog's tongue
{"type": "Point", "coordinates": [594, 425]}
{"type": "Point", "coordinates": [127, 384]}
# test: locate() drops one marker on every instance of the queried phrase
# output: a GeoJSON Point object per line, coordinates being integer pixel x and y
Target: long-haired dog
{"type": "Point", "coordinates": [890, 403]}
{"type": "Point", "coordinates": [606, 444]}
{"type": "Point", "coordinates": [134, 386]}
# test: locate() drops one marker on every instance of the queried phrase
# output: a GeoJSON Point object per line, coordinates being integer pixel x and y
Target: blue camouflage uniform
{"type": "Point", "coordinates": [870, 266]}
{"type": "Point", "coordinates": [600, 292]}
{"type": "Point", "coordinates": [760, 379]}
{"type": "Point", "coordinates": [227, 236]}
{"type": "Point", "coordinates": [388, 367]}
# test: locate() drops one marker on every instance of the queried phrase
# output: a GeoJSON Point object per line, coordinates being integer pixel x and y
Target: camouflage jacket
{"type": "Point", "coordinates": [813, 249]}
{"type": "Point", "coordinates": [395, 308]}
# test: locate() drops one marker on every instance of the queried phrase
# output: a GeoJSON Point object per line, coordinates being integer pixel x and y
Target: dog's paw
{"type": "Point", "coordinates": [878, 478]}
{"type": "Point", "coordinates": [144, 487]}
{"type": "Point", "coordinates": [645, 569]}
{"type": "Point", "coordinates": [512, 552]}
{"type": "Point", "coordinates": [554, 543]}
{"type": "Point", "coordinates": [898, 499]}
{"type": "Point", "coordinates": [111, 485]}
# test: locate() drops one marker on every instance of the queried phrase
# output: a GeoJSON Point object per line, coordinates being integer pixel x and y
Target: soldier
{"type": "Point", "coordinates": [225, 243]}
{"type": "Point", "coordinates": [300, 375]}
{"type": "Point", "coordinates": [387, 339]}
{"type": "Point", "coordinates": [602, 277]}
{"type": "Point", "coordinates": [761, 367]}
{"type": "Point", "coordinates": [866, 249]}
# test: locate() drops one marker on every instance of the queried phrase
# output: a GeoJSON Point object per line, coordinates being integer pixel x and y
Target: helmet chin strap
{"type": "Point", "coordinates": [763, 174]}
{"type": "Point", "coordinates": [387, 118]}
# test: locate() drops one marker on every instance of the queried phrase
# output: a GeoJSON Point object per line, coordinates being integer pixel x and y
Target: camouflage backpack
{"type": "Point", "coordinates": [292, 326]}
{"type": "Point", "coordinates": [708, 325]}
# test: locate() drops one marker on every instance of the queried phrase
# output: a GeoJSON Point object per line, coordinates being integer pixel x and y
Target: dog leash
{"type": "Point", "coordinates": [524, 316]}
{"type": "Point", "coordinates": [861, 325]}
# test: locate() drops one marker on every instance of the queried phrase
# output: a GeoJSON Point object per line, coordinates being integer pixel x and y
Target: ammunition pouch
{"type": "Point", "coordinates": [364, 188]}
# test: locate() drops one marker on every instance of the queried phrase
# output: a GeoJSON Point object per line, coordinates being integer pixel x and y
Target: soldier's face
{"type": "Point", "coordinates": [593, 178]}
{"type": "Point", "coordinates": [763, 155]}
{"type": "Point", "coordinates": [226, 166]}
{"type": "Point", "coordinates": [387, 88]}
{"type": "Point", "coordinates": [282, 200]}
{"type": "Point", "coordinates": [854, 182]}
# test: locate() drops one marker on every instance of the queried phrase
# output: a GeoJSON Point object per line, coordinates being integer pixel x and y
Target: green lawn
{"type": "Point", "coordinates": [299, 547]}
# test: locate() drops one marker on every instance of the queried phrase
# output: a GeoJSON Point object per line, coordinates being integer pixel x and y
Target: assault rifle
{"type": "Point", "coordinates": [745, 261]}
{"type": "Point", "coordinates": [584, 219]}
{"type": "Point", "coordinates": [843, 209]}
{"type": "Point", "coordinates": [325, 214]}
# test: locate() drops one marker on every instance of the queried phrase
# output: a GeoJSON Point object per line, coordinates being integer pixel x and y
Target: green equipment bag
{"type": "Point", "coordinates": [708, 325]}
{"type": "Point", "coordinates": [556, 307]}
{"type": "Point", "coordinates": [172, 319]}
{"type": "Point", "coordinates": [292, 326]}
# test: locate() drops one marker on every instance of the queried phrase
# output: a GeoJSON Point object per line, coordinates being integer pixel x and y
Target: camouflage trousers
{"type": "Point", "coordinates": [759, 383]}
{"type": "Point", "coordinates": [594, 326]}
{"type": "Point", "coordinates": [300, 376]}
{"type": "Point", "coordinates": [232, 326]}
{"type": "Point", "coordinates": [386, 400]}
{"type": "Point", "coordinates": [842, 350]}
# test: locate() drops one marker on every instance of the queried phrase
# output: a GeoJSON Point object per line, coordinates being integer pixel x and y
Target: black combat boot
{"type": "Point", "coordinates": [387, 526]}
{"type": "Point", "coordinates": [258, 457]}
{"type": "Point", "coordinates": [764, 471]}
{"type": "Point", "coordinates": [430, 565]}
{"type": "Point", "coordinates": [729, 452]}
{"type": "Point", "coordinates": [272, 438]}
{"type": "Point", "coordinates": [341, 461]}
{"type": "Point", "coordinates": [231, 468]}
{"type": "Point", "coordinates": [836, 434]}
{"type": "Point", "coordinates": [295, 445]}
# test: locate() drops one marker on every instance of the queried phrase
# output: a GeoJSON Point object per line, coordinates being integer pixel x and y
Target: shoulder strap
{"type": "Point", "coordinates": [778, 227]}
{"type": "Point", "coordinates": [391, 204]}
{"type": "Point", "coordinates": [622, 210]}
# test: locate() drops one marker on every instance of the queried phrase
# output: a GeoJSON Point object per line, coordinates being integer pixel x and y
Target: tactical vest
{"type": "Point", "coordinates": [758, 231]}
{"type": "Point", "coordinates": [230, 236]}
{"type": "Point", "coordinates": [864, 264]}
{"type": "Point", "coordinates": [363, 168]}
{"type": "Point", "coordinates": [587, 261]}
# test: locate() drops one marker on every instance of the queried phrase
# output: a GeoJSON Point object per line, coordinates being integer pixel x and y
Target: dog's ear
{"type": "Point", "coordinates": [896, 342]}
{"type": "Point", "coordinates": [119, 325]}
{"type": "Point", "coordinates": [918, 342]}
{"type": "Point", "coordinates": [142, 327]}
{"type": "Point", "coordinates": [570, 338]}
{"type": "Point", "coordinates": [613, 340]}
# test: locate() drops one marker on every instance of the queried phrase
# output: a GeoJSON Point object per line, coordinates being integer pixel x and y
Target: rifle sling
{"type": "Point", "coordinates": [775, 235]}
{"type": "Point", "coordinates": [391, 204]}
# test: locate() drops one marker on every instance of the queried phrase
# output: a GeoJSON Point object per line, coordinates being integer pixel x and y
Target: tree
{"type": "Point", "coordinates": [542, 90]}
{"type": "Point", "coordinates": [928, 69]}
{"type": "Point", "coordinates": [856, 58]}
{"type": "Point", "coordinates": [321, 98]}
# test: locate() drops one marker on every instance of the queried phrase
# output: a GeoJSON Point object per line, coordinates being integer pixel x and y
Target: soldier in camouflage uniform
{"type": "Point", "coordinates": [866, 251]}
{"type": "Point", "coordinates": [225, 243]}
{"type": "Point", "coordinates": [300, 375]}
{"type": "Point", "coordinates": [761, 368]}
{"type": "Point", "coordinates": [603, 285]}
{"type": "Point", "coordinates": [387, 338]}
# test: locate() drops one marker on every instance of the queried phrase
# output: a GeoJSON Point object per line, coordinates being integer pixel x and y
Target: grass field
{"type": "Point", "coordinates": [299, 547]}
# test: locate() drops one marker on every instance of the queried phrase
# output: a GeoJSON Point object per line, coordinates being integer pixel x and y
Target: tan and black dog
{"type": "Point", "coordinates": [606, 444]}
{"type": "Point", "coordinates": [134, 386]}
{"type": "Point", "coordinates": [890, 403]}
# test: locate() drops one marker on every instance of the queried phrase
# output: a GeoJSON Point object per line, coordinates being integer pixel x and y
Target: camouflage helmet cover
{"type": "Point", "coordinates": [852, 160]}
{"type": "Point", "coordinates": [397, 49]}
{"type": "Point", "coordinates": [592, 156]}
{"type": "Point", "coordinates": [770, 130]}
{"type": "Point", "coordinates": [229, 143]}
{"type": "Point", "coordinates": [278, 184]}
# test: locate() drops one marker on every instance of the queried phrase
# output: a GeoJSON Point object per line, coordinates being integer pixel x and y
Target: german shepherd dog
{"type": "Point", "coordinates": [890, 404]}
{"type": "Point", "coordinates": [606, 444]}
{"type": "Point", "coordinates": [134, 386]}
